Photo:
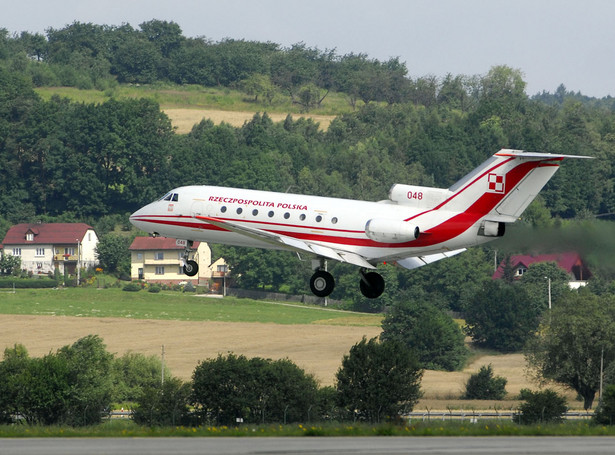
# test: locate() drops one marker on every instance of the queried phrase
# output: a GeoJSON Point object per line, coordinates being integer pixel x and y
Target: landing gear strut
{"type": "Point", "coordinates": [371, 284]}
{"type": "Point", "coordinates": [191, 268]}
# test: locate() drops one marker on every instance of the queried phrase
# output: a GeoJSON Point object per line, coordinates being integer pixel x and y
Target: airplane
{"type": "Point", "coordinates": [414, 227]}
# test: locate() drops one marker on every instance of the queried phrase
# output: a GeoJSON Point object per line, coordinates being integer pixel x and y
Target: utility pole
{"type": "Point", "coordinates": [162, 367]}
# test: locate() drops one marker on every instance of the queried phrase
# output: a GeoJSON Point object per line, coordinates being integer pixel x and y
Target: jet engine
{"type": "Point", "coordinates": [391, 231]}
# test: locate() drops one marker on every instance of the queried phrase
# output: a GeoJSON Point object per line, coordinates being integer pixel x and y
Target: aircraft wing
{"type": "Point", "coordinates": [289, 243]}
{"type": "Point", "coordinates": [419, 261]}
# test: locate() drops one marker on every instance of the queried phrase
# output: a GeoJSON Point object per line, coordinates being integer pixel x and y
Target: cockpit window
{"type": "Point", "coordinates": [170, 197]}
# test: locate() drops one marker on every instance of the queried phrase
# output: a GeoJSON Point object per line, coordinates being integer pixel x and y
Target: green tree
{"type": "Point", "coordinates": [605, 413]}
{"type": "Point", "coordinates": [485, 386]}
{"type": "Point", "coordinates": [9, 264]}
{"type": "Point", "coordinates": [89, 378]}
{"type": "Point", "coordinates": [572, 341]}
{"type": "Point", "coordinates": [163, 405]}
{"type": "Point", "coordinates": [430, 333]}
{"type": "Point", "coordinates": [379, 380]}
{"type": "Point", "coordinates": [256, 390]}
{"type": "Point", "coordinates": [541, 407]}
{"type": "Point", "coordinates": [12, 367]}
{"type": "Point", "coordinates": [500, 316]}
{"type": "Point", "coordinates": [537, 279]}
{"type": "Point", "coordinates": [133, 372]}
{"type": "Point", "coordinates": [113, 254]}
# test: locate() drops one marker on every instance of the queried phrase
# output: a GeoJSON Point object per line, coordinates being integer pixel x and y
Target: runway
{"type": "Point", "coordinates": [310, 445]}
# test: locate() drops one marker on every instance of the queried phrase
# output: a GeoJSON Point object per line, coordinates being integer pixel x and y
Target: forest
{"type": "Point", "coordinates": [73, 161]}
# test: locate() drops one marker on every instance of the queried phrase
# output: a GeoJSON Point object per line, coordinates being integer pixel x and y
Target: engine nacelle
{"type": "Point", "coordinates": [421, 197]}
{"type": "Point", "coordinates": [391, 231]}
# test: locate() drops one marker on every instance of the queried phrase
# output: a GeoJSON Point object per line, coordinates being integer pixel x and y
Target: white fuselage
{"type": "Point", "coordinates": [333, 222]}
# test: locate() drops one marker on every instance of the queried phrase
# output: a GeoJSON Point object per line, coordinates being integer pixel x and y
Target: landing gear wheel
{"type": "Point", "coordinates": [191, 268]}
{"type": "Point", "coordinates": [371, 284]}
{"type": "Point", "coordinates": [322, 283]}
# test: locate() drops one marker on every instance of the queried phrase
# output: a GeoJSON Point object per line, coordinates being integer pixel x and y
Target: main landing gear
{"type": "Point", "coordinates": [322, 282]}
{"type": "Point", "coordinates": [191, 267]}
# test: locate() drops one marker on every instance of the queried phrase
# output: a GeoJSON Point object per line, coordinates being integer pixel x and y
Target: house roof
{"type": "Point", "coordinates": [566, 261]}
{"type": "Point", "coordinates": [157, 243]}
{"type": "Point", "coordinates": [46, 234]}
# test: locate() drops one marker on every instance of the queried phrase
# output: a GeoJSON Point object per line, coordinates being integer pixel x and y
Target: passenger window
{"type": "Point", "coordinates": [334, 220]}
{"type": "Point", "coordinates": [286, 215]}
{"type": "Point", "coordinates": [270, 214]}
{"type": "Point", "coordinates": [318, 219]}
{"type": "Point", "coordinates": [239, 210]}
{"type": "Point", "coordinates": [302, 217]}
{"type": "Point", "coordinates": [223, 209]}
{"type": "Point", "coordinates": [254, 212]}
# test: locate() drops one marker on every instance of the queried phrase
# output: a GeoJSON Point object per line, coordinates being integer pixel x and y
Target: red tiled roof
{"type": "Point", "coordinates": [47, 234]}
{"type": "Point", "coordinates": [565, 261]}
{"type": "Point", "coordinates": [157, 243]}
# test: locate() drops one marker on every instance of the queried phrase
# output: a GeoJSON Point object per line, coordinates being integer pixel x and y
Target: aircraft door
{"type": "Point", "coordinates": [197, 208]}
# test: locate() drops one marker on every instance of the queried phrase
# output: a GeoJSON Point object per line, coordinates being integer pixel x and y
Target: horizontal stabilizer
{"type": "Point", "coordinates": [419, 261]}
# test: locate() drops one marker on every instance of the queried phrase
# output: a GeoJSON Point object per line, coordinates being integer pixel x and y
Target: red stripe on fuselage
{"type": "Point", "coordinates": [443, 232]}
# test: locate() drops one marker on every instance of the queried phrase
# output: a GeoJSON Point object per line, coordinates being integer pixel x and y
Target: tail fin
{"type": "Point", "coordinates": [502, 187]}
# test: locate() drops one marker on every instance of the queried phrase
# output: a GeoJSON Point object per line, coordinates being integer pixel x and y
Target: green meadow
{"type": "Point", "coordinates": [169, 305]}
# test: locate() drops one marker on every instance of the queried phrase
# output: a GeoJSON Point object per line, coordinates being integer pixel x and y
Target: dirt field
{"type": "Point", "coordinates": [185, 119]}
{"type": "Point", "coordinates": [318, 349]}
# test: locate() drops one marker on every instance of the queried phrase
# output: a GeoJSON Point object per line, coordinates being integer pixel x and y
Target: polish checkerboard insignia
{"type": "Point", "coordinates": [496, 183]}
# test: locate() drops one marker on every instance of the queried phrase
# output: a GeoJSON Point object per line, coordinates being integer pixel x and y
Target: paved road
{"type": "Point", "coordinates": [307, 446]}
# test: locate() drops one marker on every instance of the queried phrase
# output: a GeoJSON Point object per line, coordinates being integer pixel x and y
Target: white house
{"type": "Point", "coordinates": [43, 247]}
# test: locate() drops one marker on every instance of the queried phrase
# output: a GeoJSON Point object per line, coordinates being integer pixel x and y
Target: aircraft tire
{"type": "Point", "coordinates": [191, 268]}
{"type": "Point", "coordinates": [372, 285]}
{"type": "Point", "coordinates": [322, 283]}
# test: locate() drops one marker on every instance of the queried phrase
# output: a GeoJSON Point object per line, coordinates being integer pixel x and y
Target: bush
{"type": "Point", "coordinates": [154, 288]}
{"type": "Point", "coordinates": [132, 287]}
{"type": "Point", "coordinates": [28, 283]}
{"type": "Point", "coordinates": [484, 386]}
{"type": "Point", "coordinates": [605, 414]}
{"type": "Point", "coordinates": [544, 407]}
{"type": "Point", "coordinates": [163, 405]}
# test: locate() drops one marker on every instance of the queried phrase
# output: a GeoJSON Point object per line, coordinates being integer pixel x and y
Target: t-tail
{"type": "Point", "coordinates": [502, 187]}
{"type": "Point", "coordinates": [495, 193]}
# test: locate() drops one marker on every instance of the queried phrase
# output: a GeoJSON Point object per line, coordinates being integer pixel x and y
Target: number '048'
{"type": "Point", "coordinates": [415, 195]}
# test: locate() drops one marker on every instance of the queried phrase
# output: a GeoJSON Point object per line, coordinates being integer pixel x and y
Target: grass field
{"type": "Point", "coordinates": [188, 105]}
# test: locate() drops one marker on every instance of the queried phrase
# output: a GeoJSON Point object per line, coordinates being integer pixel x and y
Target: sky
{"type": "Point", "coordinates": [552, 42]}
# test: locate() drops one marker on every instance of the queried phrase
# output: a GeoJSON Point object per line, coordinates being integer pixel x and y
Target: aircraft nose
{"type": "Point", "coordinates": [137, 218]}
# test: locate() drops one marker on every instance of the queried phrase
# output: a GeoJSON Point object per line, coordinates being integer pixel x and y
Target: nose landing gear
{"type": "Point", "coordinates": [191, 267]}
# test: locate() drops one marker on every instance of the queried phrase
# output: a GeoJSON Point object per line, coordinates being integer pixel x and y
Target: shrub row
{"type": "Point", "coordinates": [28, 283]}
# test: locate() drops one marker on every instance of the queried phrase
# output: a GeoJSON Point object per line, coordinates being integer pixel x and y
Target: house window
{"type": "Point", "coordinates": [30, 237]}
{"type": "Point", "coordinates": [160, 270]}
{"type": "Point", "coordinates": [159, 255]}
{"type": "Point", "coordinates": [222, 268]}
{"type": "Point", "coordinates": [520, 271]}
{"type": "Point", "coordinates": [16, 251]}
{"type": "Point", "coordinates": [40, 251]}
{"type": "Point", "coordinates": [139, 256]}
{"type": "Point", "coordinates": [70, 251]}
